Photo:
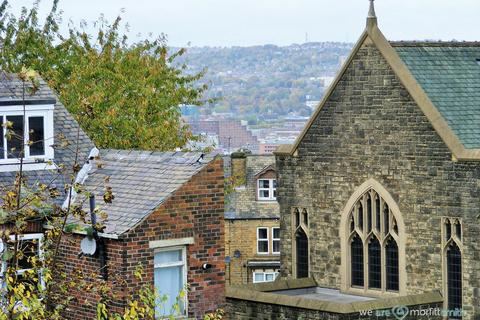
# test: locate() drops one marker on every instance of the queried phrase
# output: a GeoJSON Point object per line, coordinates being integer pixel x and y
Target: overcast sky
{"type": "Point", "coordinates": [281, 22]}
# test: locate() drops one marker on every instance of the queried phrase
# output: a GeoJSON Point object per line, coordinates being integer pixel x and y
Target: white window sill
{"type": "Point", "coordinates": [28, 165]}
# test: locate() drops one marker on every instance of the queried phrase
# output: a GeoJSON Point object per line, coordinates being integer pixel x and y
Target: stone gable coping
{"type": "Point", "coordinates": [373, 35]}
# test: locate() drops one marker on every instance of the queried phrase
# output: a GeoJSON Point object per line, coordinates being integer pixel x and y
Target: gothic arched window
{"type": "Point", "coordinates": [373, 233]}
{"type": "Point", "coordinates": [453, 265]}
{"type": "Point", "coordinates": [300, 243]}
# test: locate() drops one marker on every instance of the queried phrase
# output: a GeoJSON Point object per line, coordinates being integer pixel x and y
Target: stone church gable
{"type": "Point", "coordinates": [371, 127]}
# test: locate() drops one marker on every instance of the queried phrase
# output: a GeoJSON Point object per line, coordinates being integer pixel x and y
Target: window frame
{"type": "Point", "coordinates": [271, 190]}
{"type": "Point", "coordinates": [175, 264]}
{"type": "Point", "coordinates": [31, 162]}
{"type": "Point", "coordinates": [27, 236]}
{"type": "Point", "coordinates": [449, 238]}
{"type": "Point", "coordinates": [299, 216]}
{"type": "Point", "coordinates": [264, 276]}
{"type": "Point", "coordinates": [267, 240]}
{"type": "Point", "coordinates": [397, 233]}
{"type": "Point", "coordinates": [275, 239]}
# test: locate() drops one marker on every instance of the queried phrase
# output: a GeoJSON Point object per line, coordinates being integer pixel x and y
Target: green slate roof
{"type": "Point", "coordinates": [449, 73]}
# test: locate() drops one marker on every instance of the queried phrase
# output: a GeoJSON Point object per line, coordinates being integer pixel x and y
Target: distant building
{"type": "Point", "coordinates": [267, 148]}
{"type": "Point", "coordinates": [252, 226]}
{"type": "Point", "coordinates": [232, 134]}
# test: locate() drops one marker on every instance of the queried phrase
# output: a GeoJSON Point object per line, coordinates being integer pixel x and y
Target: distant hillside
{"type": "Point", "coordinates": [267, 80]}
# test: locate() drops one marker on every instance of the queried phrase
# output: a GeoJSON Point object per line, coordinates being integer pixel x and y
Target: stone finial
{"type": "Point", "coordinates": [371, 12]}
{"type": "Point", "coordinates": [372, 17]}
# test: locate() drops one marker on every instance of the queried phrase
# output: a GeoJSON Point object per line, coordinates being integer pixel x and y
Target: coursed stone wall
{"type": "Point", "coordinates": [372, 129]}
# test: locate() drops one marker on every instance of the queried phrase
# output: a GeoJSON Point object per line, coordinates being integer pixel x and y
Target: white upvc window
{"type": "Point", "coordinates": [259, 277]}
{"type": "Point", "coordinates": [276, 240]}
{"type": "Point", "coordinates": [267, 189]}
{"type": "Point", "coordinates": [170, 279]}
{"type": "Point", "coordinates": [262, 241]}
{"type": "Point", "coordinates": [31, 246]}
{"type": "Point", "coordinates": [36, 125]}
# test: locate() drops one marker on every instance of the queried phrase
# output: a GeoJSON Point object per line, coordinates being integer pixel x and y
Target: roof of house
{"type": "Point", "coordinates": [449, 72]}
{"type": "Point", "coordinates": [140, 182]}
{"type": "Point", "coordinates": [443, 78]}
{"type": "Point", "coordinates": [11, 88]}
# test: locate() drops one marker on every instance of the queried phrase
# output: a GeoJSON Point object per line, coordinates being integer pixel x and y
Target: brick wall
{"type": "Point", "coordinates": [371, 128]}
{"type": "Point", "coordinates": [195, 210]}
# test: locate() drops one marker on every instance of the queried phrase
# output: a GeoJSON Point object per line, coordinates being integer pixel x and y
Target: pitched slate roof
{"type": "Point", "coordinates": [140, 181]}
{"type": "Point", "coordinates": [449, 73]}
{"type": "Point", "coordinates": [64, 125]}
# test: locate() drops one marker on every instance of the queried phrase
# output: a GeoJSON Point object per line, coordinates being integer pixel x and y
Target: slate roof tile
{"type": "Point", "coordinates": [140, 181]}
{"type": "Point", "coordinates": [449, 72]}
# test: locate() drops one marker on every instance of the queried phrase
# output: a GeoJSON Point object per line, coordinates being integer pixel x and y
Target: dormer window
{"type": "Point", "coordinates": [266, 184]}
{"type": "Point", "coordinates": [267, 189]}
{"type": "Point", "coordinates": [36, 125]}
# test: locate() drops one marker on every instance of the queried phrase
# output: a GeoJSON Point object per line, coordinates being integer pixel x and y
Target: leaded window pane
{"type": "Point", "coordinates": [386, 218]}
{"type": "Point", "coordinates": [357, 261]}
{"type": "Point", "coordinates": [458, 230]}
{"type": "Point", "coordinates": [448, 230]}
{"type": "Point", "coordinates": [374, 265]}
{"type": "Point", "coordinates": [302, 254]}
{"type": "Point", "coordinates": [391, 265]}
{"type": "Point", "coordinates": [360, 216]}
{"type": "Point", "coordinates": [297, 218]}
{"type": "Point", "coordinates": [369, 213]}
{"type": "Point", "coordinates": [454, 279]}
{"type": "Point", "coordinates": [377, 212]}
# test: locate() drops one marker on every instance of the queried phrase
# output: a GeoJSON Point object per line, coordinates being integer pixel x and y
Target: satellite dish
{"type": "Point", "coordinates": [88, 246]}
